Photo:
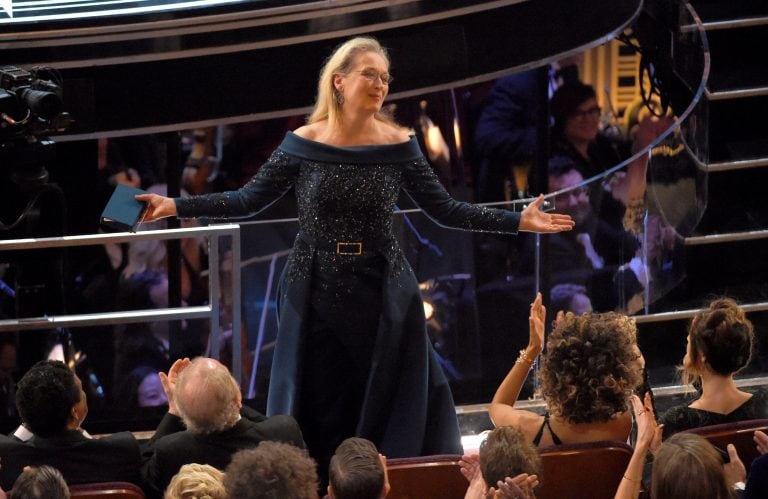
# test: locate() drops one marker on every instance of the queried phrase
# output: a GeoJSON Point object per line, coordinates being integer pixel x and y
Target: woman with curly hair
{"type": "Point", "coordinates": [590, 370]}
{"type": "Point", "coordinates": [720, 344]}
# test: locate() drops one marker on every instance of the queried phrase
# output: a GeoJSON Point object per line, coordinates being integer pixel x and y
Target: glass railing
{"type": "Point", "coordinates": [626, 252]}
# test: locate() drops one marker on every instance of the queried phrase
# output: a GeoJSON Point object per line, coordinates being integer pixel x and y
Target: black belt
{"type": "Point", "coordinates": [345, 247]}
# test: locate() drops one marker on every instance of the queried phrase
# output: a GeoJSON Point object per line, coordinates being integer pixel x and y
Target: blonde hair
{"type": "Point", "coordinates": [196, 481]}
{"type": "Point", "coordinates": [341, 62]}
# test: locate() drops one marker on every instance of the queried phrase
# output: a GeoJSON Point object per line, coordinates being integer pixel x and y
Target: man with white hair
{"type": "Point", "coordinates": [205, 398]}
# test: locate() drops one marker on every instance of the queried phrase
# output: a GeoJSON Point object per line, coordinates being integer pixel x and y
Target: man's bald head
{"type": "Point", "coordinates": [207, 396]}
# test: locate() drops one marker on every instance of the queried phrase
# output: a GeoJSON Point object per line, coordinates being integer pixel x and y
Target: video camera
{"type": "Point", "coordinates": [30, 103]}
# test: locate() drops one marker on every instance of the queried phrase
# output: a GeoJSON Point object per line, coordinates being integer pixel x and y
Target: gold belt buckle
{"type": "Point", "coordinates": [349, 248]}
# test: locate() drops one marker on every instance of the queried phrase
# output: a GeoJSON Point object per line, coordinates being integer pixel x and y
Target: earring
{"type": "Point", "coordinates": [339, 97]}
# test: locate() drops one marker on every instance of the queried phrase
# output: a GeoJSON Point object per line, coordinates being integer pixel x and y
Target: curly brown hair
{"type": "Point", "coordinates": [271, 470]}
{"type": "Point", "coordinates": [591, 367]}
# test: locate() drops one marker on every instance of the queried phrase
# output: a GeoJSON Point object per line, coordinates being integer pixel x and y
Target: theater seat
{"type": "Point", "coordinates": [426, 477]}
{"type": "Point", "coordinates": [582, 471]}
{"type": "Point", "coordinates": [106, 490]}
{"type": "Point", "coordinates": [738, 433]}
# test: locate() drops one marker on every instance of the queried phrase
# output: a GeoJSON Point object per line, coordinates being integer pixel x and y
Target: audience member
{"type": "Point", "coordinates": [142, 343]}
{"type": "Point", "coordinates": [570, 297]}
{"type": "Point", "coordinates": [8, 376]}
{"type": "Point", "coordinates": [591, 367]}
{"type": "Point", "coordinates": [52, 406]}
{"type": "Point", "coordinates": [357, 471]}
{"type": "Point", "coordinates": [576, 130]}
{"type": "Point", "coordinates": [506, 131]}
{"type": "Point", "coordinates": [507, 462]}
{"type": "Point", "coordinates": [757, 479]}
{"type": "Point", "coordinates": [272, 470]}
{"type": "Point", "coordinates": [204, 396]}
{"type": "Point", "coordinates": [139, 394]}
{"type": "Point", "coordinates": [196, 481]}
{"type": "Point", "coordinates": [684, 466]}
{"type": "Point", "coordinates": [593, 251]}
{"type": "Point", "coordinates": [44, 482]}
{"type": "Point", "coordinates": [720, 344]}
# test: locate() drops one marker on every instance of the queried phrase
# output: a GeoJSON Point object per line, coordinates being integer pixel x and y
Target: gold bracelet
{"type": "Point", "coordinates": [524, 358]}
{"type": "Point", "coordinates": [639, 480]}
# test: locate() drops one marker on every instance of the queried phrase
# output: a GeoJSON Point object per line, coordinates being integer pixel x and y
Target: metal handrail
{"type": "Point", "coordinates": [210, 312]}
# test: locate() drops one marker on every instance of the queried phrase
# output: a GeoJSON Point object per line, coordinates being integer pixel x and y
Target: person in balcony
{"type": "Point", "coordinates": [590, 370]}
{"type": "Point", "coordinates": [352, 356]}
{"type": "Point", "coordinates": [720, 344]}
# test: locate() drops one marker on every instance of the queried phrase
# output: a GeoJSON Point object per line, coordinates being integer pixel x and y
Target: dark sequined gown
{"type": "Point", "coordinates": [352, 354]}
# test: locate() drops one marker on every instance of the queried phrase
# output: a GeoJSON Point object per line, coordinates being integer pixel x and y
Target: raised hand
{"type": "Point", "coordinates": [169, 382]}
{"type": "Point", "coordinates": [532, 219]}
{"type": "Point", "coordinates": [734, 471]}
{"type": "Point", "coordinates": [761, 440]}
{"type": "Point", "coordinates": [536, 325]}
{"type": "Point", "coordinates": [648, 432]}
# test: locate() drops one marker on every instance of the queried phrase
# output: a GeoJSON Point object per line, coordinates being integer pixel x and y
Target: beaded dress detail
{"type": "Point", "coordinates": [352, 343]}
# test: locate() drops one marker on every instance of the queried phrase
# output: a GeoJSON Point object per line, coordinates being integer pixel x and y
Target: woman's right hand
{"type": "Point", "coordinates": [157, 206]}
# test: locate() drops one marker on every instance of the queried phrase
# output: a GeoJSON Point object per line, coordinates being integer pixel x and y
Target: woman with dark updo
{"type": "Point", "coordinates": [720, 344]}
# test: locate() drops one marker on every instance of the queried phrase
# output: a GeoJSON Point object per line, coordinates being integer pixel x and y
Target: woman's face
{"type": "Point", "coordinates": [584, 123]}
{"type": "Point", "coordinates": [366, 85]}
{"type": "Point", "coordinates": [150, 391]}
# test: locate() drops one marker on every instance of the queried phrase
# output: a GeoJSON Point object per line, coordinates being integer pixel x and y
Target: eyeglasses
{"type": "Point", "coordinates": [372, 75]}
{"type": "Point", "coordinates": [592, 112]}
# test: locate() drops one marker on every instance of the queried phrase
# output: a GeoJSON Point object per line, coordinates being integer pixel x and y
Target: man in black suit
{"type": "Point", "coordinates": [204, 397]}
{"type": "Point", "coordinates": [52, 405]}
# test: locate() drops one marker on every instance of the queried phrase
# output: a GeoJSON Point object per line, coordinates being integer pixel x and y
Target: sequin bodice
{"type": "Point", "coordinates": [349, 193]}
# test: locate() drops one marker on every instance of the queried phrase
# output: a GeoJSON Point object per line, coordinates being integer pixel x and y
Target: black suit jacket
{"type": "Point", "coordinates": [172, 446]}
{"type": "Point", "coordinates": [80, 459]}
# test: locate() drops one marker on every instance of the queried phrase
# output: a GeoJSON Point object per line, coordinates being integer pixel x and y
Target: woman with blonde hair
{"type": "Point", "coordinates": [720, 344]}
{"type": "Point", "coordinates": [591, 368]}
{"type": "Point", "coordinates": [352, 356]}
{"type": "Point", "coordinates": [196, 481]}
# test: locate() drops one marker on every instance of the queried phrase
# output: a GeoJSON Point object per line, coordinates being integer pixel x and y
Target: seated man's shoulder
{"type": "Point", "coordinates": [279, 427]}
{"type": "Point", "coordinates": [124, 439]}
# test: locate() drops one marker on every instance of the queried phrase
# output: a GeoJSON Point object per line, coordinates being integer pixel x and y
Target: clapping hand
{"type": "Point", "coordinates": [519, 487]}
{"type": "Point", "coordinates": [169, 382]}
{"type": "Point", "coordinates": [761, 440]}
{"type": "Point", "coordinates": [734, 470]}
{"type": "Point", "coordinates": [648, 432]}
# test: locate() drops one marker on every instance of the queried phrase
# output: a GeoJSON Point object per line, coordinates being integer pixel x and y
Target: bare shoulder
{"type": "Point", "coordinates": [312, 130]}
{"type": "Point", "coordinates": [506, 415]}
{"type": "Point", "coordinates": [395, 134]}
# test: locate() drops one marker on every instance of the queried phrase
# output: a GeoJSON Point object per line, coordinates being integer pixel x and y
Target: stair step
{"type": "Point", "coordinates": [735, 203]}
{"type": "Point", "coordinates": [736, 93]}
{"type": "Point", "coordinates": [736, 61]}
{"type": "Point", "coordinates": [725, 166]}
{"type": "Point", "coordinates": [735, 268]}
{"type": "Point", "coordinates": [712, 11]}
{"type": "Point", "coordinates": [737, 129]}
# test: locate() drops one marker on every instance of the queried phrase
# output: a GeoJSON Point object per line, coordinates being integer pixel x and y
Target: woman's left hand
{"type": "Point", "coordinates": [532, 219]}
{"type": "Point", "coordinates": [536, 326]}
